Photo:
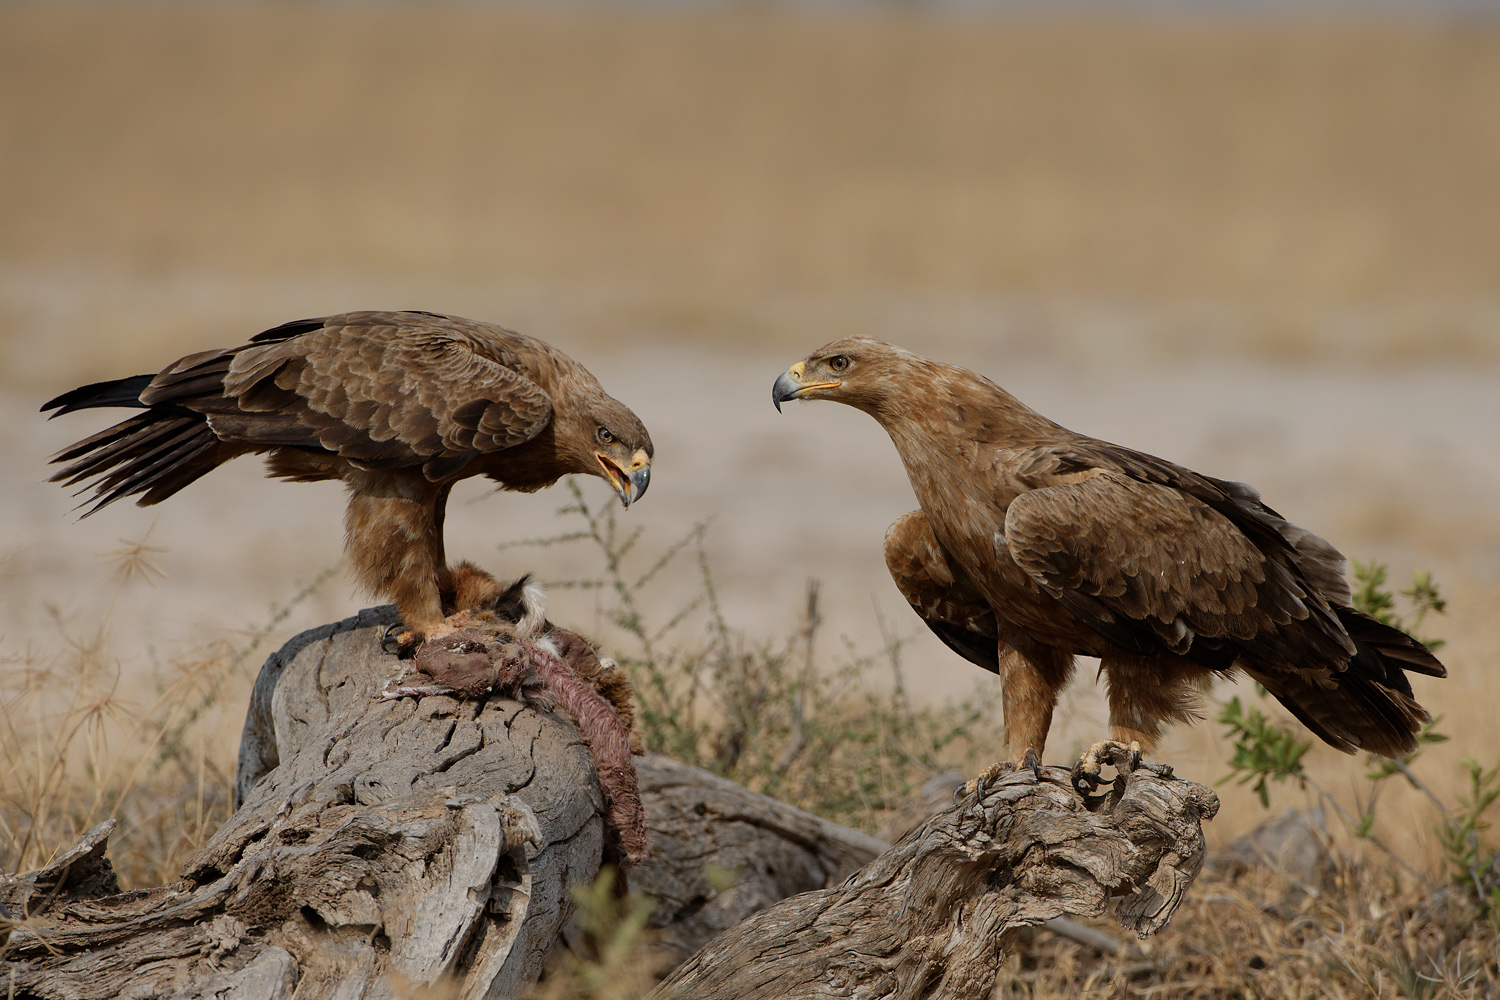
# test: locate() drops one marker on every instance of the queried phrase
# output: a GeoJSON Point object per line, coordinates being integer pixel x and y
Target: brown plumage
{"type": "Point", "coordinates": [397, 405]}
{"type": "Point", "coordinates": [1035, 544]}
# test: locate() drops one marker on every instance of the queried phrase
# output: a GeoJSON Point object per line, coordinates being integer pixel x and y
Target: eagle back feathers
{"type": "Point", "coordinates": [379, 390]}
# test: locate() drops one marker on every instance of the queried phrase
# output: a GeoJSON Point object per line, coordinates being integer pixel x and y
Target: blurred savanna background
{"type": "Point", "coordinates": [1262, 242]}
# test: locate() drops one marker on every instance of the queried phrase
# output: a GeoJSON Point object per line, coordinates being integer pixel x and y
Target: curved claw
{"type": "Point", "coordinates": [982, 781]}
{"type": "Point", "coordinates": [400, 641]}
{"type": "Point", "coordinates": [1124, 759]}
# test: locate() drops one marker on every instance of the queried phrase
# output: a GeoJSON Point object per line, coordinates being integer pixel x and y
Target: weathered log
{"type": "Point", "coordinates": [381, 844]}
{"type": "Point", "coordinates": [934, 917]}
{"type": "Point", "coordinates": [721, 852]}
{"type": "Point", "coordinates": [705, 830]}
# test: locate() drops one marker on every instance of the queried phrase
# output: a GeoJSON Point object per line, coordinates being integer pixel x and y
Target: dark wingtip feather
{"type": "Point", "coordinates": [1369, 705]}
{"type": "Point", "coordinates": [154, 453]}
{"type": "Point", "coordinates": [980, 650]}
{"type": "Point", "coordinates": [287, 331]}
{"type": "Point", "coordinates": [1391, 643]}
{"type": "Point", "coordinates": [115, 392]}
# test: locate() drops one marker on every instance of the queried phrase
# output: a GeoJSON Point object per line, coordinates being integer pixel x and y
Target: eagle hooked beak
{"type": "Point", "coordinates": [630, 484]}
{"type": "Point", "coordinates": [789, 386]}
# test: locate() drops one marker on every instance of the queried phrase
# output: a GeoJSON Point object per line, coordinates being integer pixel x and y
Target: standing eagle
{"type": "Point", "coordinates": [1035, 545]}
{"type": "Point", "coordinates": [397, 405]}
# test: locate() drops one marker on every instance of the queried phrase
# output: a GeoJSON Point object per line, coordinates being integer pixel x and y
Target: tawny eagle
{"type": "Point", "coordinates": [397, 405]}
{"type": "Point", "coordinates": [1035, 544]}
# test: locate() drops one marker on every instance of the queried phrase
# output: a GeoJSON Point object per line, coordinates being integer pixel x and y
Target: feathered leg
{"type": "Point", "coordinates": [1144, 694]}
{"type": "Point", "coordinates": [393, 537]}
{"type": "Point", "coordinates": [1029, 688]}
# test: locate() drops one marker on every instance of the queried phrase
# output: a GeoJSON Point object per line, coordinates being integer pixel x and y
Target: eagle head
{"type": "Point", "coordinates": [856, 370]}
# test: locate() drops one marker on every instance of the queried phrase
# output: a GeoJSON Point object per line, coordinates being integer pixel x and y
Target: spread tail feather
{"type": "Point", "coordinates": [1368, 705]}
{"type": "Point", "coordinates": [153, 454]}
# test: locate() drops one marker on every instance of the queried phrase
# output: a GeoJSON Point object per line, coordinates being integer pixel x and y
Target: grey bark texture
{"type": "Point", "coordinates": [381, 846]}
{"type": "Point", "coordinates": [720, 852]}
{"type": "Point", "coordinates": [934, 917]}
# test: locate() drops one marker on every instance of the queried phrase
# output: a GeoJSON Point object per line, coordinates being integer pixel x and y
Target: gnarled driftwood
{"type": "Point", "coordinates": [380, 844]}
{"type": "Point", "coordinates": [934, 916]}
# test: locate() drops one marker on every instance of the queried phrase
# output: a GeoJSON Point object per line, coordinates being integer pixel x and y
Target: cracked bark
{"type": "Point", "coordinates": [936, 915]}
{"type": "Point", "coordinates": [379, 846]}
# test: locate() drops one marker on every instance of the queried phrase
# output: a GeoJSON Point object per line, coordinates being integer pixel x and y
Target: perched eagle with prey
{"type": "Point", "coordinates": [1035, 545]}
{"type": "Point", "coordinates": [397, 405]}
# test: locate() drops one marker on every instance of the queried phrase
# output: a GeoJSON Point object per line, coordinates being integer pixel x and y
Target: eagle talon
{"type": "Point", "coordinates": [1031, 761]}
{"type": "Point", "coordinates": [1124, 759]}
{"type": "Point", "coordinates": [1131, 754]}
{"type": "Point", "coordinates": [1085, 782]}
{"type": "Point", "coordinates": [400, 641]}
{"type": "Point", "coordinates": [978, 784]}
{"type": "Point", "coordinates": [981, 782]}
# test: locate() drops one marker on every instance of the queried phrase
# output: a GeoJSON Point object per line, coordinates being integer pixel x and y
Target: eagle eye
{"type": "Point", "coordinates": [605, 436]}
{"type": "Point", "coordinates": [838, 363]}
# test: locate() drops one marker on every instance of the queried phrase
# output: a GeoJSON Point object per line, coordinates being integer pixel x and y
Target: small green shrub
{"type": "Point", "coordinates": [1266, 751]}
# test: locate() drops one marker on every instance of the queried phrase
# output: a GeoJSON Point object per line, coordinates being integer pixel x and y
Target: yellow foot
{"type": "Point", "coordinates": [404, 641]}
{"type": "Point", "coordinates": [1124, 759]}
{"type": "Point", "coordinates": [401, 641]}
{"type": "Point", "coordinates": [990, 774]}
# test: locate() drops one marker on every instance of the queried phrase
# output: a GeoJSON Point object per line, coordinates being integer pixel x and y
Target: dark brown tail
{"type": "Point", "coordinates": [152, 454]}
{"type": "Point", "coordinates": [1369, 704]}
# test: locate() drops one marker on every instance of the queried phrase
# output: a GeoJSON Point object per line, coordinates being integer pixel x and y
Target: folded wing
{"type": "Point", "coordinates": [1155, 569]}
{"type": "Point", "coordinates": [939, 591]}
{"type": "Point", "coordinates": [379, 390]}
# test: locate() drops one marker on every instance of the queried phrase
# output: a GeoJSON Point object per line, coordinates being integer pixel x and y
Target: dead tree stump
{"type": "Point", "coordinates": [934, 917]}
{"type": "Point", "coordinates": [381, 846]}
{"type": "Point", "coordinates": [721, 852]}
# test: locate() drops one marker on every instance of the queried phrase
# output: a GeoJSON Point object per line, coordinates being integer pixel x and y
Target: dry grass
{"type": "Point", "coordinates": [83, 738]}
{"type": "Point", "coordinates": [1353, 931]}
{"type": "Point", "coordinates": [79, 747]}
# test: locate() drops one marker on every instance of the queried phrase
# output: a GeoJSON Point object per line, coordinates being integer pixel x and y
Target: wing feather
{"type": "Point", "coordinates": [1150, 566]}
{"type": "Point", "coordinates": [380, 389]}
{"type": "Point", "coordinates": [940, 592]}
